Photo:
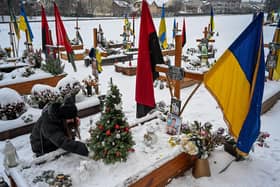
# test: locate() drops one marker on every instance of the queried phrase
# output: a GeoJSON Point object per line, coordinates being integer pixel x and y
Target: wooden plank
{"type": "Point", "coordinates": [162, 175]}
{"type": "Point", "coordinates": [12, 67]}
{"type": "Point", "coordinates": [89, 111]}
{"type": "Point", "coordinates": [11, 133]}
{"type": "Point", "coordinates": [191, 75]}
{"type": "Point", "coordinates": [62, 48]}
{"type": "Point", "coordinates": [169, 52]}
{"type": "Point", "coordinates": [111, 60]}
{"type": "Point", "coordinates": [186, 82]}
{"type": "Point", "coordinates": [77, 56]}
{"type": "Point", "coordinates": [268, 104]}
{"type": "Point", "coordinates": [118, 68]}
{"type": "Point", "coordinates": [118, 45]}
{"type": "Point", "coordinates": [130, 71]}
{"type": "Point", "coordinates": [24, 88]}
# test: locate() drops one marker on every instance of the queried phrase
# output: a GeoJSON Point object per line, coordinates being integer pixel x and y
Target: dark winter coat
{"type": "Point", "coordinates": [49, 134]}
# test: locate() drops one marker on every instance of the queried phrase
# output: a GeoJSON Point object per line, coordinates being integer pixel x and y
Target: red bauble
{"type": "Point", "coordinates": [107, 110]}
{"type": "Point", "coordinates": [118, 154]}
{"type": "Point", "coordinates": [108, 133]}
{"type": "Point", "coordinates": [117, 126]}
{"type": "Point", "coordinates": [126, 129]}
{"type": "Point", "coordinates": [100, 127]}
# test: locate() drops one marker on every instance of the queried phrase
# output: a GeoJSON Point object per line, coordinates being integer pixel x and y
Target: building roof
{"type": "Point", "coordinates": [120, 3]}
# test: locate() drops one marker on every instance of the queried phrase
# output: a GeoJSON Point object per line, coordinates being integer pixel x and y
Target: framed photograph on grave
{"type": "Point", "coordinates": [271, 61]}
{"type": "Point", "coordinates": [175, 106]}
{"type": "Point", "coordinates": [175, 73]}
{"type": "Point", "coordinates": [173, 124]}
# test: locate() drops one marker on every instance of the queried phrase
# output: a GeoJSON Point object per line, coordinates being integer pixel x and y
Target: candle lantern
{"type": "Point", "coordinates": [10, 155]}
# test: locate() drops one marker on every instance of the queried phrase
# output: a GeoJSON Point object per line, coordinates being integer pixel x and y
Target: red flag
{"type": "Point", "coordinates": [62, 38]}
{"type": "Point", "coordinates": [149, 54]}
{"type": "Point", "coordinates": [61, 35]}
{"type": "Point", "coordinates": [46, 35]}
{"type": "Point", "coordinates": [184, 34]}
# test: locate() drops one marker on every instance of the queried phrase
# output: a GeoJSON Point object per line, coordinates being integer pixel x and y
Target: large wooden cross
{"type": "Point", "coordinates": [191, 75]}
{"type": "Point", "coordinates": [205, 37]}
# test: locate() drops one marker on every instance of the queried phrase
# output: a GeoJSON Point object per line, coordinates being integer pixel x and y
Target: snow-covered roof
{"type": "Point", "coordinates": [120, 3]}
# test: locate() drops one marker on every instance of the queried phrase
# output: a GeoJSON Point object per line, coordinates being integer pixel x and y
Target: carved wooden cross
{"type": "Point", "coordinates": [177, 87]}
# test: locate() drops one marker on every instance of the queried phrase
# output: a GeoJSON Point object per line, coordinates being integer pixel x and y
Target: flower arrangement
{"type": "Point", "coordinates": [44, 94]}
{"type": "Point", "coordinates": [12, 110]}
{"type": "Point", "coordinates": [261, 140]}
{"type": "Point", "coordinates": [27, 72]}
{"type": "Point", "coordinates": [69, 86]}
{"type": "Point", "coordinates": [11, 104]}
{"type": "Point", "coordinates": [198, 140]}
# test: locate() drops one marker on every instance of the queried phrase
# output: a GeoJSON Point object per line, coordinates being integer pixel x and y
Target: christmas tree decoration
{"type": "Point", "coordinates": [111, 139]}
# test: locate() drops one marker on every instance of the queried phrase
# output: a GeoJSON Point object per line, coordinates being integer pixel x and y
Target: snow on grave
{"type": "Point", "coordinates": [86, 172]}
{"type": "Point", "coordinates": [23, 84]}
{"type": "Point", "coordinates": [11, 104]}
{"type": "Point", "coordinates": [43, 94]}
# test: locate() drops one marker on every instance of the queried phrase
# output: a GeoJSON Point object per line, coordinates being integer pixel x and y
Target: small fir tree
{"type": "Point", "coordinates": [53, 65]}
{"type": "Point", "coordinates": [111, 139]}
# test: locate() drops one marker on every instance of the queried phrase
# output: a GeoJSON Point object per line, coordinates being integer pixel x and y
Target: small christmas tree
{"type": "Point", "coordinates": [111, 139]}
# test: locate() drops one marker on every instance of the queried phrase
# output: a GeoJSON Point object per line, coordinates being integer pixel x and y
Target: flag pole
{"type": "Point", "coordinates": [12, 39]}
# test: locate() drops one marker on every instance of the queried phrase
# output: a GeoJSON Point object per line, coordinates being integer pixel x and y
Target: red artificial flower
{"type": "Point", "coordinates": [117, 126]}
{"type": "Point", "coordinates": [131, 150]}
{"type": "Point", "coordinates": [126, 129]}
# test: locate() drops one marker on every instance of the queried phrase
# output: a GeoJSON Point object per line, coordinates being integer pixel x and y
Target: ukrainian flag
{"type": "Point", "coordinates": [174, 29]}
{"type": "Point", "coordinates": [237, 83]}
{"type": "Point", "coordinates": [24, 24]}
{"type": "Point", "coordinates": [212, 25]}
{"type": "Point", "coordinates": [98, 60]}
{"type": "Point", "coordinates": [162, 30]}
{"type": "Point", "coordinates": [276, 39]}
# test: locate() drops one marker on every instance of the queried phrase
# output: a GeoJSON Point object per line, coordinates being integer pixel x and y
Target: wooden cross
{"type": "Point", "coordinates": [77, 25]}
{"type": "Point", "coordinates": [205, 37]}
{"type": "Point", "coordinates": [190, 75]}
{"type": "Point", "coordinates": [273, 50]}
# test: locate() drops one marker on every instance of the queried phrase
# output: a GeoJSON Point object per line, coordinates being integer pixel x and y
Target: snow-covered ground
{"type": "Point", "coordinates": [262, 168]}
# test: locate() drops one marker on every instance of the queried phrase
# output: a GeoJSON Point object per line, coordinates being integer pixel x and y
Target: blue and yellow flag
{"type": "Point", "coordinates": [162, 30]}
{"type": "Point", "coordinates": [24, 25]}
{"type": "Point", "coordinates": [276, 39]}
{"type": "Point", "coordinates": [237, 83]}
{"type": "Point", "coordinates": [174, 29]}
{"type": "Point", "coordinates": [212, 25]}
{"type": "Point", "coordinates": [98, 60]}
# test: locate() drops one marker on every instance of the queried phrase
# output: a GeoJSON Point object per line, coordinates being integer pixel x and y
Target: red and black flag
{"type": "Point", "coordinates": [184, 33]}
{"type": "Point", "coordinates": [149, 54]}
{"type": "Point", "coordinates": [46, 34]}
{"type": "Point", "coordinates": [61, 37]}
